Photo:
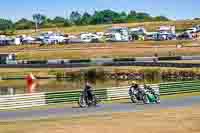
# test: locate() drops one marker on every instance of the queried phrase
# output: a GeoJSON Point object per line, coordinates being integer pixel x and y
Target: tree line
{"type": "Point", "coordinates": [76, 18]}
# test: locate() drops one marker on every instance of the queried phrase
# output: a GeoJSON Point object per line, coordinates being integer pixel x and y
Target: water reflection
{"type": "Point", "coordinates": [46, 85]}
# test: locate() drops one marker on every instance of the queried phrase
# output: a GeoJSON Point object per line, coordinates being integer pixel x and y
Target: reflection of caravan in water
{"type": "Point", "coordinates": [118, 34]}
{"type": "Point", "coordinates": [6, 58]}
{"type": "Point", "coordinates": [7, 91]}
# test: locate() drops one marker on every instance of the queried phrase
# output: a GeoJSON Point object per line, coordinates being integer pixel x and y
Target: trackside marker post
{"type": "Point", "coordinates": [31, 83]}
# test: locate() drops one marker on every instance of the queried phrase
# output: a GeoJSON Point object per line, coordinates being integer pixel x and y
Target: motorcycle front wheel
{"type": "Point", "coordinates": [145, 99]}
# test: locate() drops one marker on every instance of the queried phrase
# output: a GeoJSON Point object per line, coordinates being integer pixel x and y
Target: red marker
{"type": "Point", "coordinates": [31, 83]}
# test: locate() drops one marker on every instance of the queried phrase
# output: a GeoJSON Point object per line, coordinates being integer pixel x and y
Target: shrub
{"type": "Point", "coordinates": [80, 61]}
{"type": "Point", "coordinates": [123, 59]}
{"type": "Point", "coordinates": [169, 58]}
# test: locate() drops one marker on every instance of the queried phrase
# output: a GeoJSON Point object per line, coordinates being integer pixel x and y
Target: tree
{"type": "Point", "coordinates": [161, 18]}
{"type": "Point", "coordinates": [99, 17]}
{"type": "Point", "coordinates": [39, 19]}
{"type": "Point", "coordinates": [75, 17]}
{"type": "Point", "coordinates": [141, 16]}
{"type": "Point", "coordinates": [121, 19]}
{"type": "Point", "coordinates": [86, 19]}
{"type": "Point", "coordinates": [59, 20]}
{"type": "Point", "coordinates": [105, 17]}
{"type": "Point", "coordinates": [24, 24]}
{"type": "Point", "coordinates": [6, 24]}
{"type": "Point", "coordinates": [132, 13]}
{"type": "Point", "coordinates": [67, 23]}
{"type": "Point", "coordinates": [196, 18]}
{"type": "Point", "coordinates": [132, 16]}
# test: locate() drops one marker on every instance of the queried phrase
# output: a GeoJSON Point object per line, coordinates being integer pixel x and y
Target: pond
{"type": "Point", "coordinates": [98, 81]}
{"type": "Point", "coordinates": [50, 85]}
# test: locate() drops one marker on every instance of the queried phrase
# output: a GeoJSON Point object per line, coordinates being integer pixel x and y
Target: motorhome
{"type": "Point", "coordinates": [28, 40]}
{"type": "Point", "coordinates": [89, 37]}
{"type": "Point", "coordinates": [118, 34]}
{"type": "Point", "coordinates": [192, 30]}
{"type": "Point", "coordinates": [167, 29]}
{"type": "Point", "coordinates": [151, 35]}
{"type": "Point", "coordinates": [5, 40]}
{"type": "Point", "coordinates": [137, 33]}
{"type": "Point", "coordinates": [52, 38]}
{"type": "Point", "coordinates": [166, 33]}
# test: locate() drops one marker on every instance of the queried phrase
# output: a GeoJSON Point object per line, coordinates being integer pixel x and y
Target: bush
{"type": "Point", "coordinates": [152, 75]}
{"type": "Point", "coordinates": [169, 58]}
{"type": "Point", "coordinates": [37, 62]}
{"type": "Point", "coordinates": [90, 75]}
{"type": "Point", "coordinates": [101, 74]}
{"type": "Point", "coordinates": [59, 76]}
{"type": "Point", "coordinates": [124, 59]}
{"type": "Point", "coordinates": [80, 61]}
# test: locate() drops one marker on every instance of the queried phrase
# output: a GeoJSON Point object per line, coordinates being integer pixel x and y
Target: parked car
{"type": "Point", "coordinates": [184, 36]}
{"type": "Point", "coordinates": [52, 38]}
{"type": "Point", "coordinates": [192, 30]}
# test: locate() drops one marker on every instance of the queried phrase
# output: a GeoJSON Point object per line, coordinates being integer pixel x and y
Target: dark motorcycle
{"type": "Point", "coordinates": [136, 95]}
{"type": "Point", "coordinates": [86, 101]}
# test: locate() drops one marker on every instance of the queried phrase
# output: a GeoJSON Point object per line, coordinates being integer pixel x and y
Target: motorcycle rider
{"type": "Point", "coordinates": [150, 89]}
{"type": "Point", "coordinates": [134, 86]}
{"type": "Point", "coordinates": [88, 92]}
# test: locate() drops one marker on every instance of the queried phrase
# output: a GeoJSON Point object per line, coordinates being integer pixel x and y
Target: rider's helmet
{"type": "Point", "coordinates": [145, 86]}
{"type": "Point", "coordinates": [133, 83]}
{"type": "Point", "coordinates": [88, 85]}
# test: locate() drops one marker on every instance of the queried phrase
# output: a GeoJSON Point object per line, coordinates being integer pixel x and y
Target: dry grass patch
{"type": "Point", "coordinates": [120, 51]}
{"type": "Point", "coordinates": [150, 26]}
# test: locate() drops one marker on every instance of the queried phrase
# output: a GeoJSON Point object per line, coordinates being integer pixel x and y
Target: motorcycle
{"type": "Point", "coordinates": [145, 95]}
{"type": "Point", "coordinates": [151, 97]}
{"type": "Point", "coordinates": [84, 101]}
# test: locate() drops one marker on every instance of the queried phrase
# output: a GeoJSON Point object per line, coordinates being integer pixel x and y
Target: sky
{"type": "Point", "coordinates": [174, 9]}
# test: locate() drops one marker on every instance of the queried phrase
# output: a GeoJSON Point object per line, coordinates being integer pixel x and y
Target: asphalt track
{"type": "Point", "coordinates": [37, 114]}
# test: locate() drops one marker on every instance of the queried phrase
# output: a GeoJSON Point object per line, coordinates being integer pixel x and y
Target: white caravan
{"type": "Point", "coordinates": [52, 38]}
{"type": "Point", "coordinates": [89, 37]}
{"type": "Point", "coordinates": [118, 34]}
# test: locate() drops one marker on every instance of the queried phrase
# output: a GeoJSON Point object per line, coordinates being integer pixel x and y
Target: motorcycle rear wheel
{"type": "Point", "coordinates": [157, 99]}
{"type": "Point", "coordinates": [134, 99]}
{"type": "Point", "coordinates": [81, 102]}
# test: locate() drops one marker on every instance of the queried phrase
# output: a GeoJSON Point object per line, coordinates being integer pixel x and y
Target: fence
{"type": "Point", "coordinates": [22, 101]}
{"type": "Point", "coordinates": [72, 96]}
{"type": "Point", "coordinates": [179, 87]}
{"type": "Point", "coordinates": [115, 93]}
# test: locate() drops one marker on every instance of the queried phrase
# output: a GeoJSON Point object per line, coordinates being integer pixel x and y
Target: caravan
{"type": "Point", "coordinates": [89, 37]}
{"type": "Point", "coordinates": [118, 34]}
{"type": "Point", "coordinates": [166, 33]}
{"type": "Point", "coordinates": [52, 38]}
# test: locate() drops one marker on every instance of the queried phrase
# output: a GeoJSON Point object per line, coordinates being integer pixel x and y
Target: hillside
{"type": "Point", "coordinates": [150, 26]}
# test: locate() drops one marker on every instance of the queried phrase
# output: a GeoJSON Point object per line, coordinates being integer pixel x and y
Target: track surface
{"type": "Point", "coordinates": [7, 116]}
